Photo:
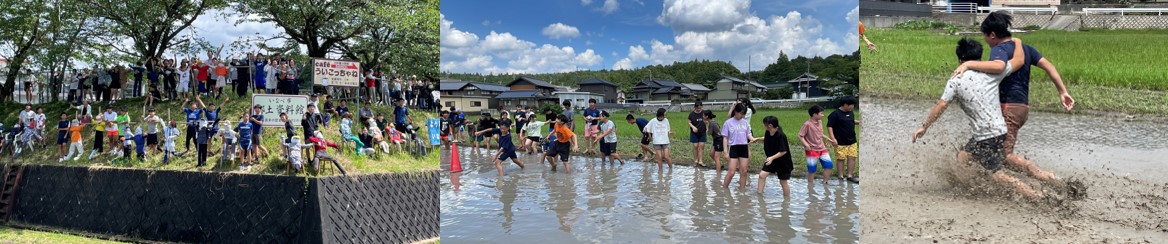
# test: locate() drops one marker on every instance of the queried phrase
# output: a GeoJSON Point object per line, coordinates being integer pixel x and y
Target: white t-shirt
{"type": "Point", "coordinates": [271, 79]}
{"type": "Point", "coordinates": [40, 121]}
{"type": "Point", "coordinates": [659, 130]}
{"type": "Point", "coordinates": [611, 137]}
{"type": "Point", "coordinates": [26, 117]}
{"type": "Point", "coordinates": [184, 77]}
{"type": "Point", "coordinates": [977, 94]}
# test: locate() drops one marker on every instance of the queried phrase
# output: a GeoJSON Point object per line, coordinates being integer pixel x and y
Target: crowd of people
{"type": "Point", "coordinates": [729, 140]}
{"type": "Point", "coordinates": [197, 85]}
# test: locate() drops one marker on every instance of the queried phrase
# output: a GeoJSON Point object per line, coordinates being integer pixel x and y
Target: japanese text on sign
{"type": "Point", "coordinates": [273, 105]}
{"type": "Point", "coordinates": [327, 72]}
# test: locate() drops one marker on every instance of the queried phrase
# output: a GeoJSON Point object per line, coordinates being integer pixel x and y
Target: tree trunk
{"type": "Point", "coordinates": [14, 66]}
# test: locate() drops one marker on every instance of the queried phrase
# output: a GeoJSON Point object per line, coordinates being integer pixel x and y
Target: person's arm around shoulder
{"type": "Point", "coordinates": [994, 66]}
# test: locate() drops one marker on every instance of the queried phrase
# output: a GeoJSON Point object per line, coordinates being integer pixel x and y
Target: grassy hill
{"type": "Point", "coordinates": [399, 161]}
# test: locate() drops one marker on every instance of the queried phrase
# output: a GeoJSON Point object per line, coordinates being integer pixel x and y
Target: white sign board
{"type": "Point", "coordinates": [293, 105]}
{"type": "Point", "coordinates": [328, 72]}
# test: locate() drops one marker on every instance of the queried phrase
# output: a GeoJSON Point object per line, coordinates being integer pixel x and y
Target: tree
{"type": "Point", "coordinates": [402, 34]}
{"type": "Point", "coordinates": [152, 25]}
{"type": "Point", "coordinates": [318, 24]}
{"type": "Point", "coordinates": [23, 32]}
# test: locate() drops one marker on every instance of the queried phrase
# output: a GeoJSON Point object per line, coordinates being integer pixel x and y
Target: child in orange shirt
{"type": "Point", "coordinates": [562, 148]}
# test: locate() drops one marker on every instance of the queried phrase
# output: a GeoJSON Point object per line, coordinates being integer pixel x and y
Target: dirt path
{"type": "Point", "coordinates": [911, 196]}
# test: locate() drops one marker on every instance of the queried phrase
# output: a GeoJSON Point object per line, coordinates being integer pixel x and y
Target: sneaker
{"type": "Point", "coordinates": [854, 179]}
{"type": "Point", "coordinates": [241, 168]}
{"type": "Point", "coordinates": [77, 158]}
{"type": "Point", "coordinates": [61, 160]}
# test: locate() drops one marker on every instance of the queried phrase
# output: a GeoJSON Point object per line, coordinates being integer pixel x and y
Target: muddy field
{"type": "Point", "coordinates": [636, 203]}
{"type": "Point", "coordinates": [912, 196]}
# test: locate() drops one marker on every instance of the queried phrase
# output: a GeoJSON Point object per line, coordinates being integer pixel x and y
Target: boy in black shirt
{"type": "Point", "coordinates": [485, 122]}
{"type": "Point", "coordinates": [841, 126]}
{"type": "Point", "coordinates": [778, 159]}
{"type": "Point", "coordinates": [506, 147]}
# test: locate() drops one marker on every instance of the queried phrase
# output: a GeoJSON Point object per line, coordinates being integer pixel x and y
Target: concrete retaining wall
{"type": "Point", "coordinates": [221, 207]}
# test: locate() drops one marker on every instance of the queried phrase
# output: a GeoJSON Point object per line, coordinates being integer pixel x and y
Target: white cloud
{"type": "Point", "coordinates": [751, 38]}
{"type": "Point", "coordinates": [218, 28]}
{"type": "Point", "coordinates": [561, 30]}
{"type": "Point", "coordinates": [585, 2]}
{"type": "Point", "coordinates": [506, 53]}
{"type": "Point", "coordinates": [623, 64]}
{"type": "Point", "coordinates": [451, 37]}
{"type": "Point", "coordinates": [854, 15]}
{"type": "Point", "coordinates": [610, 6]}
{"type": "Point", "coordinates": [703, 15]}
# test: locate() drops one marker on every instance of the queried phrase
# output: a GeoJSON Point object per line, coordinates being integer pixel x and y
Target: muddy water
{"type": "Point", "coordinates": [911, 195]}
{"type": "Point", "coordinates": [635, 202]}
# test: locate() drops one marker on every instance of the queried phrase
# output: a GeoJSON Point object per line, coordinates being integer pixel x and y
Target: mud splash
{"type": "Point", "coordinates": [915, 193]}
{"type": "Point", "coordinates": [635, 202]}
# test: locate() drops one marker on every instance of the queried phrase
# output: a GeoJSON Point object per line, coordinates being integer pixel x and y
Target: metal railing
{"type": "Point", "coordinates": [1036, 10]}
{"type": "Point", "coordinates": [1122, 11]}
{"type": "Point", "coordinates": [956, 8]}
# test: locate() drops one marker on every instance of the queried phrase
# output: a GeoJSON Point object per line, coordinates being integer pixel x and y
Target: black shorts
{"type": "Point", "coordinates": [717, 142]}
{"type": "Point", "coordinates": [562, 149]}
{"type": "Point", "coordinates": [507, 155]}
{"type": "Point", "coordinates": [988, 153]}
{"type": "Point", "coordinates": [607, 148]}
{"type": "Point", "coordinates": [645, 139]}
{"type": "Point", "coordinates": [152, 139]}
{"type": "Point", "coordinates": [739, 151]}
{"type": "Point", "coordinates": [780, 169]}
{"type": "Point", "coordinates": [62, 138]}
{"type": "Point", "coordinates": [533, 138]}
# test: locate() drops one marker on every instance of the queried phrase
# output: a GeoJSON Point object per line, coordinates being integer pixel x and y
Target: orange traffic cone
{"type": "Point", "coordinates": [455, 163]}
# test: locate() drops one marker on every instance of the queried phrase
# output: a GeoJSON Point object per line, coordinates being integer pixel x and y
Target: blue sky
{"type": "Point", "coordinates": [564, 35]}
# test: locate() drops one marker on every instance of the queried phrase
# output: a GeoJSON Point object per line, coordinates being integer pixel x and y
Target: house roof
{"type": "Point", "coordinates": [537, 82]}
{"type": "Point", "coordinates": [696, 87]}
{"type": "Point", "coordinates": [756, 84]}
{"type": "Point", "coordinates": [490, 87]}
{"type": "Point", "coordinates": [805, 77]}
{"type": "Point", "coordinates": [596, 81]}
{"type": "Point", "coordinates": [518, 94]}
{"type": "Point", "coordinates": [451, 85]}
{"type": "Point", "coordinates": [454, 85]}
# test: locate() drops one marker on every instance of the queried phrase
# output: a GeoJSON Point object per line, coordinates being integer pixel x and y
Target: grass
{"type": "Point", "coordinates": [628, 137]}
{"type": "Point", "coordinates": [14, 235]}
{"type": "Point", "coordinates": [1102, 75]}
{"type": "Point", "coordinates": [398, 162]}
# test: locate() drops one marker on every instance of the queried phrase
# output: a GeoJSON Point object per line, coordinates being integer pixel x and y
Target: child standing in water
{"type": "Point", "coordinates": [659, 132]}
{"type": "Point", "coordinates": [778, 160]}
{"type": "Point", "coordinates": [506, 147]}
{"type": "Point", "coordinates": [715, 139]}
{"type": "Point", "coordinates": [811, 135]}
{"type": "Point", "coordinates": [607, 140]}
{"type": "Point", "coordinates": [565, 143]}
{"type": "Point", "coordinates": [736, 139]}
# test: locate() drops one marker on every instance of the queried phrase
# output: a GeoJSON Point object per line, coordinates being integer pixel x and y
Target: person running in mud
{"type": "Point", "coordinates": [1014, 91]}
{"type": "Point", "coordinates": [778, 160]}
{"type": "Point", "coordinates": [564, 145]}
{"type": "Point", "coordinates": [641, 123]}
{"type": "Point", "coordinates": [977, 94]}
{"type": "Point", "coordinates": [506, 147]}
{"type": "Point", "coordinates": [607, 140]}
